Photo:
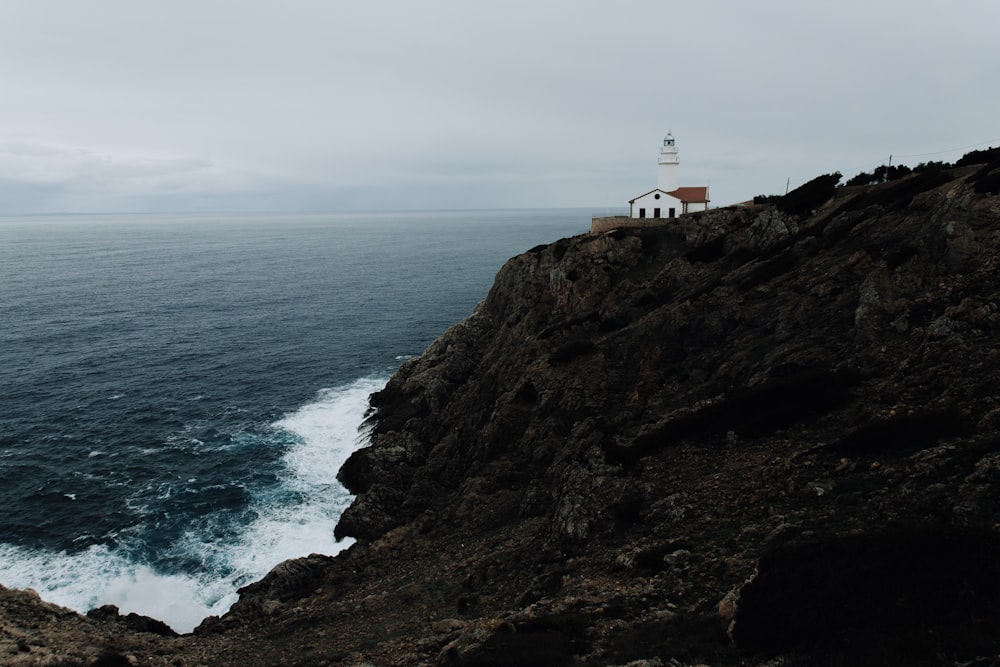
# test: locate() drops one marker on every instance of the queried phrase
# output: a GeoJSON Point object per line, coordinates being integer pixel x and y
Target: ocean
{"type": "Point", "coordinates": [177, 392]}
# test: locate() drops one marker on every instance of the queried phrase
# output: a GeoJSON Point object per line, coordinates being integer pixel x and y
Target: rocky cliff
{"type": "Point", "coordinates": [747, 437]}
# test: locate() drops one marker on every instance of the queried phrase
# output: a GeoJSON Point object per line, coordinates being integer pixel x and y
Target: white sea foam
{"type": "Point", "coordinates": [297, 521]}
{"type": "Point", "coordinates": [100, 576]}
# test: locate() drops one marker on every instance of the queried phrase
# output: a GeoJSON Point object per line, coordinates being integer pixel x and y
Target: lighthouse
{"type": "Point", "coordinates": [669, 199]}
{"type": "Point", "coordinates": [668, 164]}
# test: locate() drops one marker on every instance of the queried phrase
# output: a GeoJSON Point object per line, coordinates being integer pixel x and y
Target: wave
{"type": "Point", "coordinates": [293, 518]}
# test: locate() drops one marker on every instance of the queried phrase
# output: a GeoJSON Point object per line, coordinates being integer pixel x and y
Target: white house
{"type": "Point", "coordinates": [669, 200]}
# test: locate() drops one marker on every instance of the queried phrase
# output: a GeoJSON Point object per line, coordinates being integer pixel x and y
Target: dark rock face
{"type": "Point", "coordinates": [663, 407]}
{"type": "Point", "coordinates": [874, 594]}
{"type": "Point", "coordinates": [132, 621]}
{"type": "Point", "coordinates": [867, 324]}
{"type": "Point", "coordinates": [749, 436]}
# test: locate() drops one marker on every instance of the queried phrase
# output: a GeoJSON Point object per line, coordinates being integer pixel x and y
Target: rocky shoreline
{"type": "Point", "coordinates": [753, 436]}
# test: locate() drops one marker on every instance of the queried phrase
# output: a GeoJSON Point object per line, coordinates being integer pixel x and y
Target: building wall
{"type": "Point", "coordinates": [648, 203]}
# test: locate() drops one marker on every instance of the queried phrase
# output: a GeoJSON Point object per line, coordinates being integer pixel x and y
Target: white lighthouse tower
{"type": "Point", "coordinates": [669, 163]}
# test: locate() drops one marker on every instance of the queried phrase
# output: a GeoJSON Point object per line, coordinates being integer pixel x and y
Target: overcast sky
{"type": "Point", "coordinates": [272, 105]}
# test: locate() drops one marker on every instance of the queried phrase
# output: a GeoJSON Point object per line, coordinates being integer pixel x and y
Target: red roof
{"type": "Point", "coordinates": [691, 194]}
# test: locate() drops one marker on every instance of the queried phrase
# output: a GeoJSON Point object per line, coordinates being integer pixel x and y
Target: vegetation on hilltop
{"type": "Point", "coordinates": [804, 198]}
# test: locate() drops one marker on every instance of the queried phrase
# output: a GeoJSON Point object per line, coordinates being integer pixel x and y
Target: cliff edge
{"type": "Point", "coordinates": [753, 436]}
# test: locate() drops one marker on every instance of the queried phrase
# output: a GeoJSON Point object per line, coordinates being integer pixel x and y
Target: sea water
{"type": "Point", "coordinates": [177, 392]}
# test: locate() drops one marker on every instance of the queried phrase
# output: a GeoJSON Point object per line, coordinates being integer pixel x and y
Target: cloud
{"type": "Point", "coordinates": [38, 177]}
{"type": "Point", "coordinates": [114, 104]}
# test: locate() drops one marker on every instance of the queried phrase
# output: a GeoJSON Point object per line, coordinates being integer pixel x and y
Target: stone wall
{"type": "Point", "coordinates": [606, 224]}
